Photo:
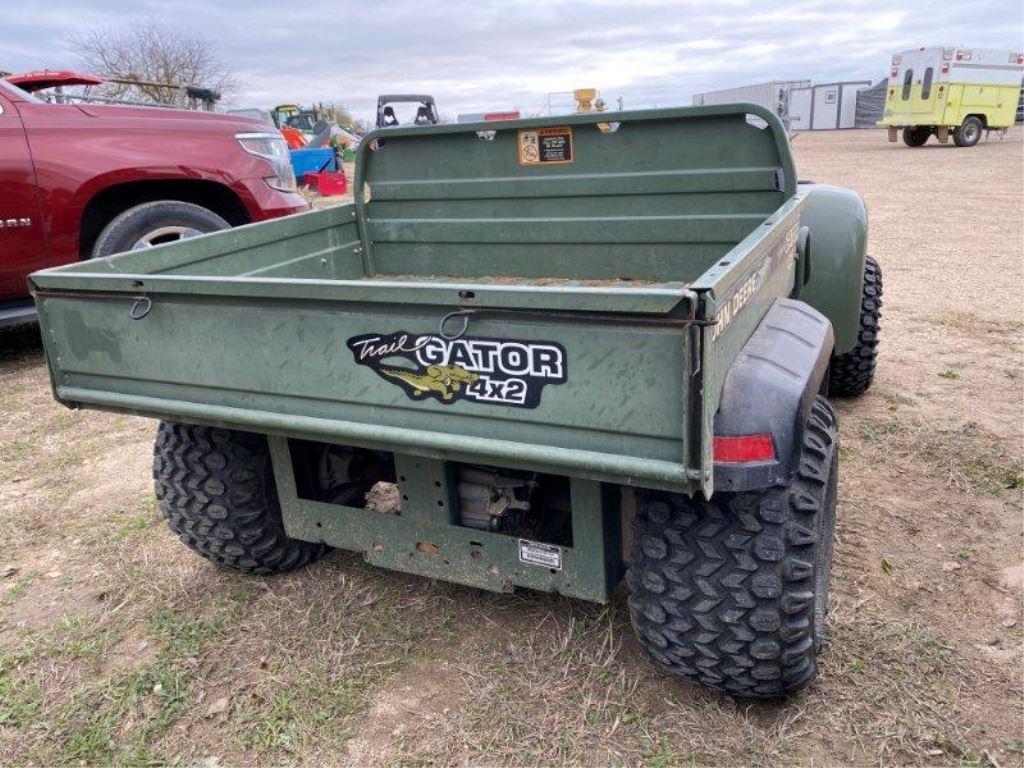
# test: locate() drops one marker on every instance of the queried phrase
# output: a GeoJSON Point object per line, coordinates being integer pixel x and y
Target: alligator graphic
{"type": "Point", "coordinates": [446, 380]}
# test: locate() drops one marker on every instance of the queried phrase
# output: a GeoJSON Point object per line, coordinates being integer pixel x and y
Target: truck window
{"type": "Point", "coordinates": [926, 84]}
{"type": "Point", "coordinates": [908, 80]}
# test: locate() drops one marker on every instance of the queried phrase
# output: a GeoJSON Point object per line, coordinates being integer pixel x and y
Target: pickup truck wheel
{"type": "Point", "coordinates": [851, 373]}
{"type": "Point", "coordinates": [156, 223]}
{"type": "Point", "coordinates": [969, 132]}
{"type": "Point", "coordinates": [916, 136]}
{"type": "Point", "coordinates": [216, 489]}
{"type": "Point", "coordinates": [732, 593]}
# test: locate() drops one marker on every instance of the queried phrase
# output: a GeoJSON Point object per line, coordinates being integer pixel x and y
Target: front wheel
{"type": "Point", "coordinates": [155, 223]}
{"type": "Point", "coordinates": [969, 132]}
{"type": "Point", "coordinates": [916, 136]}
{"type": "Point", "coordinates": [732, 593]}
{"type": "Point", "coordinates": [851, 373]}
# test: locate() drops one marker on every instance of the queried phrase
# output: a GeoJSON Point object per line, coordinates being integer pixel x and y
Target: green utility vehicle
{"type": "Point", "coordinates": [540, 353]}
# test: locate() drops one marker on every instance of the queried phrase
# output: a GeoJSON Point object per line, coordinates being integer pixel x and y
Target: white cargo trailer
{"type": "Point", "coordinates": [774, 95]}
{"type": "Point", "coordinates": [825, 107]}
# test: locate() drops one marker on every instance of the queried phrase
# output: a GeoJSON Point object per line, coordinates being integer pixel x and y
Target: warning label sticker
{"type": "Point", "coordinates": [545, 145]}
{"type": "Point", "coordinates": [535, 553]}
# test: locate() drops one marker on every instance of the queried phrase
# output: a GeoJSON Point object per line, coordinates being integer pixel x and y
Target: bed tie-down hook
{"type": "Point", "coordinates": [463, 314]}
{"type": "Point", "coordinates": [140, 308]}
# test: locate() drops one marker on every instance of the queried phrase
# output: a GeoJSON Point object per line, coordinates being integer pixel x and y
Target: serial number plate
{"type": "Point", "coordinates": [535, 553]}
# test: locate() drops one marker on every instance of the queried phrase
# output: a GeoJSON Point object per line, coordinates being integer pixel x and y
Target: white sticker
{"type": "Point", "coordinates": [535, 553]}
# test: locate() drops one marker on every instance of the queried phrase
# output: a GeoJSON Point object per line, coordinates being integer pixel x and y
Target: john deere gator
{"type": "Point", "coordinates": [548, 354]}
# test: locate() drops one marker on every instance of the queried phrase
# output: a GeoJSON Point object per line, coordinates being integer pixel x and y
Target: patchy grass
{"type": "Point", "coordinates": [140, 653]}
{"type": "Point", "coordinates": [965, 456]}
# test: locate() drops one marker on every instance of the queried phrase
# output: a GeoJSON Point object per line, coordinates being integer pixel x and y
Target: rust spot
{"type": "Point", "coordinates": [427, 547]}
{"type": "Point", "coordinates": [475, 554]}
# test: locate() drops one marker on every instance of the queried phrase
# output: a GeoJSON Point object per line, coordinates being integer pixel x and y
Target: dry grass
{"type": "Point", "coordinates": [119, 646]}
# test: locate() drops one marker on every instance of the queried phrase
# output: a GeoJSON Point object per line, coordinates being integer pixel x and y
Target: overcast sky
{"type": "Point", "coordinates": [479, 55]}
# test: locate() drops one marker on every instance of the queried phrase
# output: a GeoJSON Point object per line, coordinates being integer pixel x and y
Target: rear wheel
{"type": "Point", "coordinates": [216, 489]}
{"type": "Point", "coordinates": [969, 132]}
{"type": "Point", "coordinates": [732, 593]}
{"type": "Point", "coordinates": [852, 372]}
{"type": "Point", "coordinates": [916, 136]}
{"type": "Point", "coordinates": [155, 223]}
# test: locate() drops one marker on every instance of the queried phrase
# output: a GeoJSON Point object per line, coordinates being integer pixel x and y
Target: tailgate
{"type": "Point", "coordinates": [590, 381]}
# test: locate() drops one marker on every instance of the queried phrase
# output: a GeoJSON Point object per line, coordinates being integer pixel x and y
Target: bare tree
{"type": "Point", "coordinates": [149, 54]}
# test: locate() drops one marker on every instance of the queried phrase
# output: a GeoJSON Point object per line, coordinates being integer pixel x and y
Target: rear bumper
{"type": "Point", "coordinates": [19, 312]}
{"type": "Point", "coordinates": [264, 202]}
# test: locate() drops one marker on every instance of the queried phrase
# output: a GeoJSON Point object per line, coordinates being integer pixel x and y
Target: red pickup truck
{"type": "Point", "coordinates": [82, 180]}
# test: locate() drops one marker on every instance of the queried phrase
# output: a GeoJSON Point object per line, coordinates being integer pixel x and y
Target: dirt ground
{"type": "Point", "coordinates": [117, 645]}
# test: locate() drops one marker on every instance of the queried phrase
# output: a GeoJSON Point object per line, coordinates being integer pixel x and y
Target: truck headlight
{"type": "Point", "coordinates": [272, 148]}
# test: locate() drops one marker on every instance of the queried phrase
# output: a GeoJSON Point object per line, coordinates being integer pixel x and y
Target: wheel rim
{"type": "Point", "coordinates": [971, 131]}
{"type": "Point", "coordinates": [162, 235]}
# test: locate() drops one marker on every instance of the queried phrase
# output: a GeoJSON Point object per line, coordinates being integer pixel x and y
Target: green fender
{"type": "Point", "coordinates": [838, 223]}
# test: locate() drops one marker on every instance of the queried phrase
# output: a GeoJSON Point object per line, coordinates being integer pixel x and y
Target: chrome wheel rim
{"type": "Point", "coordinates": [971, 131]}
{"type": "Point", "coordinates": [162, 235]}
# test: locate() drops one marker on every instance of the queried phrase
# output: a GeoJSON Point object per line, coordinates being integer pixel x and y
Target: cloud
{"type": "Point", "coordinates": [491, 55]}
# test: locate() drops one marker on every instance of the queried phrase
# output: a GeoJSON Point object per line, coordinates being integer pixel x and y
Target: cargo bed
{"type": "Point", "coordinates": [615, 283]}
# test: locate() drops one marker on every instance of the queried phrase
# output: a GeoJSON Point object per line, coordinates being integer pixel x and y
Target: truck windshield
{"type": "Point", "coordinates": [14, 90]}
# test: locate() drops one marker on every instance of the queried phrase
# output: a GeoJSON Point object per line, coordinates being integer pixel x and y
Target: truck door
{"type": "Point", "coordinates": [22, 248]}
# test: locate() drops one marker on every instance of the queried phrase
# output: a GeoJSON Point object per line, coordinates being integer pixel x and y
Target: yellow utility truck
{"type": "Point", "coordinates": [952, 91]}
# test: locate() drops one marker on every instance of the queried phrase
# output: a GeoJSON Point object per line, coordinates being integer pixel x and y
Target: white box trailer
{"type": "Point", "coordinates": [774, 95]}
{"type": "Point", "coordinates": [825, 107]}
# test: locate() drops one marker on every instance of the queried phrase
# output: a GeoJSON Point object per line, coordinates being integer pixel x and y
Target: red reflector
{"type": "Point", "coordinates": [741, 449]}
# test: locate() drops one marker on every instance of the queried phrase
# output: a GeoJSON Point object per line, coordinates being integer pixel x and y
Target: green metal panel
{"type": "Point", "coordinates": [425, 541]}
{"type": "Point", "coordinates": [661, 197]}
{"type": "Point", "coordinates": [737, 292]}
{"type": "Point", "coordinates": [611, 257]}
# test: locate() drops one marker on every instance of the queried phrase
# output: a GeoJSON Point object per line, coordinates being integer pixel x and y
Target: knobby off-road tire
{"type": "Point", "coordinates": [916, 136]}
{"type": "Point", "coordinates": [851, 373]}
{"type": "Point", "coordinates": [216, 489]}
{"type": "Point", "coordinates": [732, 593]}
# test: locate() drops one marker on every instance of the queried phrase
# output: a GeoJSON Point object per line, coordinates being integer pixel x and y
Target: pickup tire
{"type": "Point", "coordinates": [216, 489]}
{"type": "Point", "coordinates": [968, 133]}
{"type": "Point", "coordinates": [732, 593]}
{"type": "Point", "coordinates": [851, 373]}
{"type": "Point", "coordinates": [155, 223]}
{"type": "Point", "coordinates": [916, 136]}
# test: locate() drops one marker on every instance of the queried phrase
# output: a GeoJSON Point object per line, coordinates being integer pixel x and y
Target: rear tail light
{"type": "Point", "coordinates": [945, 68]}
{"type": "Point", "coordinates": [963, 55]}
{"type": "Point", "coordinates": [743, 449]}
{"type": "Point", "coordinates": [894, 73]}
{"type": "Point", "coordinates": [1019, 57]}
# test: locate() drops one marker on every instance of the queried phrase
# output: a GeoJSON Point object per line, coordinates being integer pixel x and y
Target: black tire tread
{"type": "Point", "coordinates": [722, 592]}
{"type": "Point", "coordinates": [851, 373]}
{"type": "Point", "coordinates": [119, 234]}
{"type": "Point", "coordinates": [215, 487]}
{"type": "Point", "coordinates": [959, 134]}
{"type": "Point", "coordinates": [916, 136]}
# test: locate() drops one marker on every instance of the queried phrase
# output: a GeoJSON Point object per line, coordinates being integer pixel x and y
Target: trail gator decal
{"type": "Point", "coordinates": [481, 370]}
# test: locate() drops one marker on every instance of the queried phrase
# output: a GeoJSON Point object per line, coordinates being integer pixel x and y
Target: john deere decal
{"type": "Point", "coordinates": [495, 371]}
